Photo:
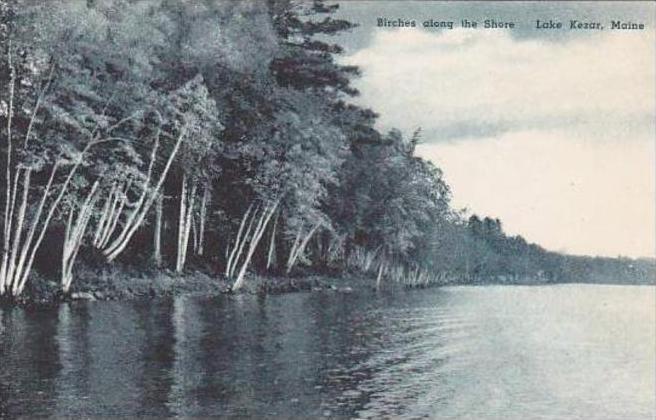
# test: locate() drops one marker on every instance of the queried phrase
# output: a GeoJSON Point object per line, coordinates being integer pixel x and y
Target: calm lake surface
{"type": "Point", "coordinates": [553, 352]}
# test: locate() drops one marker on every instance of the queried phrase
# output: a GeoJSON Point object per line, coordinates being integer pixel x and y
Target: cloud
{"type": "Point", "coordinates": [555, 137]}
{"type": "Point", "coordinates": [486, 82]}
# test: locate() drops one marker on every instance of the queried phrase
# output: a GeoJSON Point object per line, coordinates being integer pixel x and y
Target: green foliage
{"type": "Point", "coordinates": [254, 91]}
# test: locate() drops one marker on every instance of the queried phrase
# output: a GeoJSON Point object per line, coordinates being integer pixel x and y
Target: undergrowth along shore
{"type": "Point", "coordinates": [125, 282]}
{"type": "Point", "coordinates": [113, 283]}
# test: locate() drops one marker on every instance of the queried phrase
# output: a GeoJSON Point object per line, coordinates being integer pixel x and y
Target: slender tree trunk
{"type": "Point", "coordinates": [292, 250]}
{"type": "Point", "coordinates": [191, 202]}
{"type": "Point", "coordinates": [134, 214]}
{"type": "Point", "coordinates": [115, 214]}
{"type": "Point", "coordinates": [263, 221]}
{"type": "Point", "coordinates": [8, 254]}
{"type": "Point", "coordinates": [271, 256]}
{"type": "Point", "coordinates": [8, 233]}
{"type": "Point", "coordinates": [381, 269]}
{"type": "Point", "coordinates": [181, 225]}
{"type": "Point", "coordinates": [119, 244]}
{"type": "Point", "coordinates": [157, 237]}
{"type": "Point", "coordinates": [369, 259]}
{"type": "Point", "coordinates": [75, 234]}
{"type": "Point", "coordinates": [194, 233]}
{"type": "Point", "coordinates": [14, 275]}
{"type": "Point", "coordinates": [8, 175]}
{"type": "Point", "coordinates": [298, 250]}
{"type": "Point", "coordinates": [239, 242]}
{"type": "Point", "coordinates": [65, 273]}
{"type": "Point", "coordinates": [187, 199]}
{"type": "Point", "coordinates": [27, 174]}
{"type": "Point", "coordinates": [19, 225]}
{"type": "Point", "coordinates": [243, 241]}
{"type": "Point", "coordinates": [104, 214]}
{"type": "Point", "coordinates": [25, 266]}
{"type": "Point", "coordinates": [203, 218]}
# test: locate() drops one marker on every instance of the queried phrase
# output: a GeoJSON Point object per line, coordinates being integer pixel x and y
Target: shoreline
{"type": "Point", "coordinates": [117, 285]}
{"type": "Point", "coordinates": [124, 283]}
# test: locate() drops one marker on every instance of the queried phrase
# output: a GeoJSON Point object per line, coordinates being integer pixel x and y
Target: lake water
{"type": "Point", "coordinates": [514, 352]}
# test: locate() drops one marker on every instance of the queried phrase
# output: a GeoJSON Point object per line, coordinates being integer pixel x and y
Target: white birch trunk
{"type": "Point", "coordinates": [14, 276]}
{"type": "Point", "coordinates": [8, 174]}
{"type": "Point", "coordinates": [271, 256]}
{"type": "Point", "coordinates": [104, 214]}
{"type": "Point", "coordinates": [194, 233]}
{"type": "Point", "coordinates": [181, 224]}
{"type": "Point", "coordinates": [115, 214]}
{"type": "Point", "coordinates": [7, 279]}
{"type": "Point", "coordinates": [140, 201]}
{"type": "Point", "coordinates": [118, 245]}
{"type": "Point", "coordinates": [66, 251]}
{"type": "Point", "coordinates": [267, 212]}
{"type": "Point", "coordinates": [19, 225]}
{"type": "Point", "coordinates": [240, 241]}
{"type": "Point", "coordinates": [200, 249]}
{"type": "Point", "coordinates": [157, 237]}
{"type": "Point", "coordinates": [381, 269]}
{"type": "Point", "coordinates": [369, 259]}
{"type": "Point", "coordinates": [243, 241]}
{"type": "Point", "coordinates": [300, 249]}
{"type": "Point", "coordinates": [189, 221]}
{"type": "Point", "coordinates": [74, 236]}
{"type": "Point", "coordinates": [292, 251]}
{"type": "Point", "coordinates": [187, 198]}
{"type": "Point", "coordinates": [25, 266]}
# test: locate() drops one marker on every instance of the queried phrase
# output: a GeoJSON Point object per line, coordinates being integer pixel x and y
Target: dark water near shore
{"type": "Point", "coordinates": [554, 352]}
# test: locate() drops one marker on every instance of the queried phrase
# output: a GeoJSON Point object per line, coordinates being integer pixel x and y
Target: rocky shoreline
{"type": "Point", "coordinates": [115, 284]}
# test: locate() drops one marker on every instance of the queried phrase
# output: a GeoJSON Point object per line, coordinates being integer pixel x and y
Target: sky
{"type": "Point", "coordinates": [551, 131]}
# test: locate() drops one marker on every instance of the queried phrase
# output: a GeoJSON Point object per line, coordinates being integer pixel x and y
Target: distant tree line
{"type": "Point", "coordinates": [217, 134]}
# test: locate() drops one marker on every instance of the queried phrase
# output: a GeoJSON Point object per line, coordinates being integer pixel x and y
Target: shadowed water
{"type": "Point", "coordinates": [556, 352]}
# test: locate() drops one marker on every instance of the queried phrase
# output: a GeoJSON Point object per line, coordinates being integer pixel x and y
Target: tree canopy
{"type": "Point", "coordinates": [217, 134]}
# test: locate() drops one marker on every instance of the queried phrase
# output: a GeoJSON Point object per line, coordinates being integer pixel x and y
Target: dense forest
{"type": "Point", "coordinates": [219, 135]}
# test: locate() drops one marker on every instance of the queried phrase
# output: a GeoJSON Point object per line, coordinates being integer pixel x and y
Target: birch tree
{"type": "Point", "coordinates": [294, 166]}
{"type": "Point", "coordinates": [196, 172]}
{"type": "Point", "coordinates": [56, 150]}
{"type": "Point", "coordinates": [56, 114]}
{"type": "Point", "coordinates": [79, 215]}
{"type": "Point", "coordinates": [193, 114]}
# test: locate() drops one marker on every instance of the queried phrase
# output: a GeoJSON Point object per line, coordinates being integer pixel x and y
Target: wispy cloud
{"type": "Point", "coordinates": [556, 137]}
{"type": "Point", "coordinates": [486, 82]}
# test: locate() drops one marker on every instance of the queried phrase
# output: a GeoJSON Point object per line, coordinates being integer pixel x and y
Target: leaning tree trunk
{"type": "Point", "coordinates": [271, 255]}
{"type": "Point", "coordinates": [105, 213]}
{"type": "Point", "coordinates": [240, 241]}
{"type": "Point", "coordinates": [12, 273]}
{"type": "Point", "coordinates": [75, 230]}
{"type": "Point", "coordinates": [108, 222]}
{"type": "Point", "coordinates": [381, 271]}
{"type": "Point", "coordinates": [136, 218]}
{"type": "Point", "coordinates": [299, 247]}
{"type": "Point", "coordinates": [254, 240]}
{"type": "Point", "coordinates": [21, 257]}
